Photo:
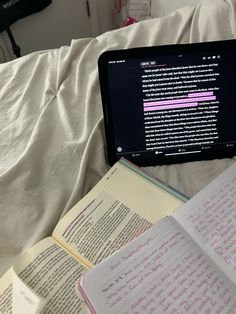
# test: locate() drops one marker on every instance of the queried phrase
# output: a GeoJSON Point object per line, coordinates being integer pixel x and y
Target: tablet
{"type": "Point", "coordinates": [169, 104]}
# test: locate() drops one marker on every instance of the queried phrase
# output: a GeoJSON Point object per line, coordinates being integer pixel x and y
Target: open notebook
{"type": "Point", "coordinates": [186, 263]}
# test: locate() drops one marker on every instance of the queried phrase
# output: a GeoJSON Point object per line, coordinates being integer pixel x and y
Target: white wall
{"type": "Point", "coordinates": [105, 15]}
{"type": "Point", "coordinates": [101, 16]}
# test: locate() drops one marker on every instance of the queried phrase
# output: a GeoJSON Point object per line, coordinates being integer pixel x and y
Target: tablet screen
{"type": "Point", "coordinates": [170, 104]}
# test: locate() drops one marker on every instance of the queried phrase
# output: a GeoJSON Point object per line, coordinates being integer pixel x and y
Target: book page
{"type": "Point", "coordinates": [162, 271]}
{"type": "Point", "coordinates": [120, 207]}
{"type": "Point", "coordinates": [6, 293]}
{"type": "Point", "coordinates": [210, 218]}
{"type": "Point", "coordinates": [104, 227]}
{"type": "Point", "coordinates": [24, 300]}
{"type": "Point", "coordinates": [50, 272]}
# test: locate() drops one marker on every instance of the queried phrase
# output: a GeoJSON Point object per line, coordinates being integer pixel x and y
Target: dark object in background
{"type": "Point", "coordinates": [13, 10]}
{"type": "Point", "coordinates": [16, 9]}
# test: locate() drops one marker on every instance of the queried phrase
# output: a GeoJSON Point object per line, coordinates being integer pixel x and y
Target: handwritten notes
{"type": "Point", "coordinates": [186, 263]}
{"type": "Point", "coordinates": [214, 219]}
{"type": "Point", "coordinates": [164, 270]}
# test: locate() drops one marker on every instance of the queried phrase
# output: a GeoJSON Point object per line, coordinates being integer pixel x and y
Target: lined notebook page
{"type": "Point", "coordinates": [148, 200]}
{"type": "Point", "coordinates": [210, 218]}
{"type": "Point", "coordinates": [162, 271]}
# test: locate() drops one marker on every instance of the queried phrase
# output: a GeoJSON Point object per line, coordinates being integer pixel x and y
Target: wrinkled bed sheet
{"type": "Point", "coordinates": [51, 136]}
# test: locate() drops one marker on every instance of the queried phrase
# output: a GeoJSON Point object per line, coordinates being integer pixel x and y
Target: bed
{"type": "Point", "coordinates": [52, 137]}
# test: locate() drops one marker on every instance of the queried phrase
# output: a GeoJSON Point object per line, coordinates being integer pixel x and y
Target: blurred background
{"type": "Point", "coordinates": [45, 24]}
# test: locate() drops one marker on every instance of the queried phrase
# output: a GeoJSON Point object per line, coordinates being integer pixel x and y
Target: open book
{"type": "Point", "coordinates": [186, 263]}
{"type": "Point", "coordinates": [124, 204]}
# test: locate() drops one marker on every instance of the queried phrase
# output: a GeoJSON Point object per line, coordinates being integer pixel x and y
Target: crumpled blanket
{"type": "Point", "coordinates": [51, 124]}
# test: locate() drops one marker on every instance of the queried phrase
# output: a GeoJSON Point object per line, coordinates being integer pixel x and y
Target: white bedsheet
{"type": "Point", "coordinates": [51, 124]}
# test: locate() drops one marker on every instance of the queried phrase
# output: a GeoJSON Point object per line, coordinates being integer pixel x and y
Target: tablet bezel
{"type": "Point", "coordinates": [154, 51]}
